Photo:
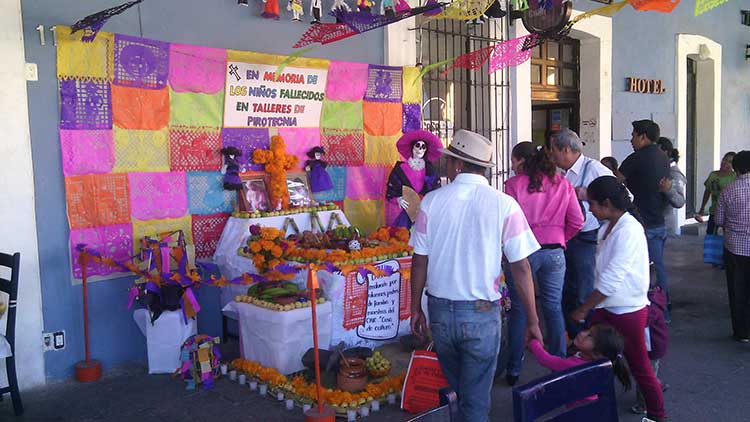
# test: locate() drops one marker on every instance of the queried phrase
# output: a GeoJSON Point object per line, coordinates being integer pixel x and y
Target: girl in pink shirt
{"type": "Point", "coordinates": [554, 214]}
{"type": "Point", "coordinates": [599, 341]}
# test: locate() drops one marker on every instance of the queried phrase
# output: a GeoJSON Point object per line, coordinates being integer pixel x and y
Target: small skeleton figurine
{"type": "Point", "coordinates": [315, 8]}
{"type": "Point", "coordinates": [340, 4]}
{"type": "Point", "coordinates": [295, 6]}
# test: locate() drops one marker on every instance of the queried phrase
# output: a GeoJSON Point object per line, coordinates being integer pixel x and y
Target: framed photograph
{"type": "Point", "coordinates": [298, 186]}
{"type": "Point", "coordinates": [254, 194]}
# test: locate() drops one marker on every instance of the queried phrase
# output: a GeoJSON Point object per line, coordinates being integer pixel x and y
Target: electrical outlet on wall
{"type": "Point", "coordinates": [53, 341]}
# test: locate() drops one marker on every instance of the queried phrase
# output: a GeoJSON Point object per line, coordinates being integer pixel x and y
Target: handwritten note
{"type": "Point", "coordinates": [383, 302]}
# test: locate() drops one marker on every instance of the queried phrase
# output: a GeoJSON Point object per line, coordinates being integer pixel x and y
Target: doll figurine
{"type": "Point", "coordinates": [419, 148]}
{"type": "Point", "coordinates": [320, 180]}
{"type": "Point", "coordinates": [340, 4]}
{"type": "Point", "coordinates": [295, 6]}
{"type": "Point", "coordinates": [364, 5]}
{"type": "Point", "coordinates": [402, 7]}
{"type": "Point", "coordinates": [315, 8]}
{"type": "Point", "coordinates": [387, 9]}
{"type": "Point", "coordinates": [271, 9]}
{"type": "Point", "coordinates": [231, 168]}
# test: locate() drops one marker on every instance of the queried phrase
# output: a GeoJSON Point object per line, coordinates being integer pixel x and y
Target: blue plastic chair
{"type": "Point", "coordinates": [557, 397]}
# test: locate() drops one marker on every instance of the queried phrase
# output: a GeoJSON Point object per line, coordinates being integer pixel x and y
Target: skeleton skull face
{"type": "Point", "coordinates": [318, 156]}
{"type": "Point", "coordinates": [419, 149]}
{"type": "Point", "coordinates": [354, 245]}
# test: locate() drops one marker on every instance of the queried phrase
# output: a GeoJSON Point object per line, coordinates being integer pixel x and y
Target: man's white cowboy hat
{"type": "Point", "coordinates": [472, 148]}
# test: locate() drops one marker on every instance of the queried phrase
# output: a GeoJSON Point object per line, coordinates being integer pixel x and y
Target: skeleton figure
{"type": "Point", "coordinates": [340, 4]}
{"type": "Point", "coordinates": [315, 8]}
{"type": "Point", "coordinates": [295, 6]}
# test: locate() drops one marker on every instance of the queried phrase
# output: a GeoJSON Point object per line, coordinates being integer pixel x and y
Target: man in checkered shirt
{"type": "Point", "coordinates": [733, 214]}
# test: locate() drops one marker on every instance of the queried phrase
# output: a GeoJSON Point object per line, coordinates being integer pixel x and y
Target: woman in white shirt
{"type": "Point", "coordinates": [622, 279]}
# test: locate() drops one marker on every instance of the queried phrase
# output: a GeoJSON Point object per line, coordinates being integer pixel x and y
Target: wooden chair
{"type": "Point", "coordinates": [11, 288]}
{"type": "Point", "coordinates": [559, 397]}
{"type": "Point", "coordinates": [447, 412]}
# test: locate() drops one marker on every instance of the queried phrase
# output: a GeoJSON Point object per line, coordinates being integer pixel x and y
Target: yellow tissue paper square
{"type": "Point", "coordinates": [368, 214]}
{"type": "Point", "coordinates": [84, 60]}
{"type": "Point", "coordinates": [141, 150]}
{"type": "Point", "coordinates": [381, 149]}
{"type": "Point", "coordinates": [412, 86]}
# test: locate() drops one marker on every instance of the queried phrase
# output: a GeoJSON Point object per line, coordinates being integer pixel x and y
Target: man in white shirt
{"type": "Point", "coordinates": [459, 237]}
{"type": "Point", "coordinates": [580, 255]}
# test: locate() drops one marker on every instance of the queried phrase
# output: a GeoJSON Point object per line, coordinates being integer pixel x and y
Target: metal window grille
{"type": "Point", "coordinates": [466, 99]}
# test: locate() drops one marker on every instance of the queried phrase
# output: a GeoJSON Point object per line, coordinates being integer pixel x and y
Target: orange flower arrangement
{"type": "Point", "coordinates": [277, 162]}
{"type": "Point", "coordinates": [390, 250]}
{"type": "Point", "coordinates": [264, 248]}
{"type": "Point", "coordinates": [340, 398]}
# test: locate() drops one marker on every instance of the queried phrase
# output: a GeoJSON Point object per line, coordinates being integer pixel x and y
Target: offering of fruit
{"type": "Point", "coordinates": [377, 365]}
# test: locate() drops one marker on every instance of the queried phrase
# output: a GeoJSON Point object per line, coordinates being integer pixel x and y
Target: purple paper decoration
{"type": "Point", "coordinates": [140, 62]}
{"type": "Point", "coordinates": [85, 105]}
{"type": "Point", "coordinates": [384, 84]}
{"type": "Point", "coordinates": [246, 140]}
{"type": "Point", "coordinates": [114, 241]}
{"type": "Point", "coordinates": [412, 117]}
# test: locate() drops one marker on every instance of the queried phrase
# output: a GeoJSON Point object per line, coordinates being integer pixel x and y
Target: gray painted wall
{"type": "Point", "coordinates": [216, 23]}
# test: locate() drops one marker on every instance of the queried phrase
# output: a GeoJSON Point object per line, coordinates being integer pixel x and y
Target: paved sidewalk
{"type": "Point", "coordinates": [707, 371]}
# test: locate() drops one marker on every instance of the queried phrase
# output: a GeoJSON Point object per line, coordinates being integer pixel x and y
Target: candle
{"type": "Point", "coordinates": [263, 389]}
{"type": "Point", "coordinates": [253, 385]}
{"type": "Point", "coordinates": [279, 396]}
{"type": "Point", "coordinates": [289, 404]}
{"type": "Point", "coordinates": [375, 406]}
{"type": "Point", "coordinates": [223, 369]}
{"type": "Point", "coordinates": [364, 411]}
{"type": "Point", "coordinates": [242, 379]}
{"type": "Point", "coordinates": [391, 399]}
{"type": "Point", "coordinates": [306, 407]}
{"type": "Point", "coordinates": [351, 415]}
{"type": "Point", "coordinates": [233, 375]}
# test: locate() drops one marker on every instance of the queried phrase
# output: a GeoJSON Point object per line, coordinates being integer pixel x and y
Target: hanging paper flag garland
{"type": "Point", "coordinates": [703, 6]}
{"type": "Point", "coordinates": [664, 6]}
{"type": "Point", "coordinates": [465, 9]}
{"type": "Point", "coordinates": [471, 60]}
{"type": "Point", "coordinates": [290, 58]}
{"type": "Point", "coordinates": [510, 53]}
{"type": "Point", "coordinates": [608, 10]}
{"type": "Point", "coordinates": [325, 33]}
{"type": "Point", "coordinates": [93, 23]}
{"type": "Point", "coordinates": [428, 68]}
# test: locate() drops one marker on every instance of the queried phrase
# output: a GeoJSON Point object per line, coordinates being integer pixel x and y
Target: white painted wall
{"type": "Point", "coordinates": [18, 228]}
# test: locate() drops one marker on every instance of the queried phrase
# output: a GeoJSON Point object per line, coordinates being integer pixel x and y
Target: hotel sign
{"type": "Point", "coordinates": [646, 86]}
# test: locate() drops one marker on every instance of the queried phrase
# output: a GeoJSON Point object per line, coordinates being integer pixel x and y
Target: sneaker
{"type": "Point", "coordinates": [637, 409]}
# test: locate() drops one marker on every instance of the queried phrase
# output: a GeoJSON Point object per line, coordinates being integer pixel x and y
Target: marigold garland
{"type": "Point", "coordinates": [299, 387]}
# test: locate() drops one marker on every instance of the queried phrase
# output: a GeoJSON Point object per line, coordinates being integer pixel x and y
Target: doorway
{"type": "Point", "coordinates": [555, 87]}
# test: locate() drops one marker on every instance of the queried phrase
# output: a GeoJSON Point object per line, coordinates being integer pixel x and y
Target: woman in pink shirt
{"type": "Point", "coordinates": [554, 214]}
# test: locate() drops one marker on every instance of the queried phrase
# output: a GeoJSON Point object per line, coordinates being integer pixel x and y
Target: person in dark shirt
{"type": "Point", "coordinates": [643, 170]}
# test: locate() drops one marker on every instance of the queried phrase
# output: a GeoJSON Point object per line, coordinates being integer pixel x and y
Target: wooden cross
{"type": "Point", "coordinates": [276, 162]}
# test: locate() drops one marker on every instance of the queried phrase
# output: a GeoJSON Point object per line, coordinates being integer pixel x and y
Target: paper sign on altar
{"type": "Point", "coordinates": [375, 307]}
{"type": "Point", "coordinates": [256, 97]}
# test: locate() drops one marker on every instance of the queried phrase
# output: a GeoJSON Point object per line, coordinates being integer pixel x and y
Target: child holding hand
{"type": "Point", "coordinates": [599, 341]}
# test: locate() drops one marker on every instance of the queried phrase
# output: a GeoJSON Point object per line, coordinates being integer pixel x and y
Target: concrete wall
{"type": "Point", "coordinates": [218, 23]}
{"type": "Point", "coordinates": [18, 224]}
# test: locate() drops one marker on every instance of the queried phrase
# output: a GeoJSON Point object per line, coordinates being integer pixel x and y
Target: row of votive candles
{"type": "Point", "coordinates": [351, 414]}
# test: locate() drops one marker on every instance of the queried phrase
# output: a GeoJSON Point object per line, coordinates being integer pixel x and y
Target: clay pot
{"type": "Point", "coordinates": [352, 375]}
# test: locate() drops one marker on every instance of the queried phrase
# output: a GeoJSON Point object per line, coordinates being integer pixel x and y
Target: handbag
{"type": "Point", "coordinates": [424, 379]}
{"type": "Point", "coordinates": [713, 249]}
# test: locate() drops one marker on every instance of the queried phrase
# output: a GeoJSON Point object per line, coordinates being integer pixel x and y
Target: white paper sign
{"type": "Point", "coordinates": [381, 318]}
{"type": "Point", "coordinates": [255, 97]}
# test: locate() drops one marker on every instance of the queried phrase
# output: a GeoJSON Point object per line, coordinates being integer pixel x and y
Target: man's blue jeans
{"type": "Point", "coordinates": [548, 268]}
{"type": "Point", "coordinates": [656, 237]}
{"type": "Point", "coordinates": [467, 342]}
{"type": "Point", "coordinates": [580, 261]}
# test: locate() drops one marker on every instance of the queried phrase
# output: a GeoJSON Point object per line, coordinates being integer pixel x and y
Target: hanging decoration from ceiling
{"type": "Point", "coordinates": [510, 53]}
{"type": "Point", "coordinates": [664, 6]}
{"type": "Point", "coordinates": [465, 9]}
{"type": "Point", "coordinates": [325, 33]}
{"type": "Point", "coordinates": [472, 60]}
{"type": "Point", "coordinates": [93, 23]}
{"type": "Point", "coordinates": [703, 6]}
